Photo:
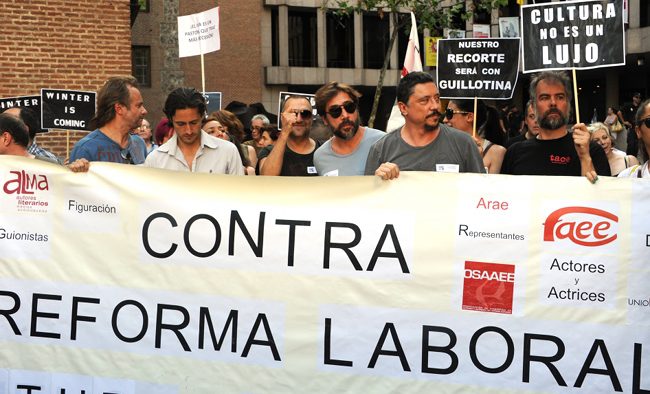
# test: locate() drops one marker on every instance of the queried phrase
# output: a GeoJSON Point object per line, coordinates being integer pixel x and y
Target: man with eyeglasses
{"type": "Point", "coordinates": [555, 151]}
{"type": "Point", "coordinates": [258, 122]}
{"type": "Point", "coordinates": [424, 143]}
{"type": "Point", "coordinates": [190, 148]}
{"type": "Point", "coordinates": [293, 152]}
{"type": "Point", "coordinates": [120, 109]}
{"type": "Point", "coordinates": [346, 152]}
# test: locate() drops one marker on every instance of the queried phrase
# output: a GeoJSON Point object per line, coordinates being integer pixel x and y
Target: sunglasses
{"type": "Point", "coordinates": [449, 113]}
{"type": "Point", "coordinates": [645, 121]}
{"type": "Point", "coordinates": [126, 155]}
{"type": "Point", "coordinates": [336, 111]}
{"type": "Point", "coordinates": [305, 113]}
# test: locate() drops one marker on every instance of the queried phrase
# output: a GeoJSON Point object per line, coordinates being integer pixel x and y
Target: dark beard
{"type": "Point", "coordinates": [548, 123]}
{"type": "Point", "coordinates": [355, 127]}
{"type": "Point", "coordinates": [428, 127]}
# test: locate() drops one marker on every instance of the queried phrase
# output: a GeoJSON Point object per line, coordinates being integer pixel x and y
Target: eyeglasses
{"type": "Point", "coordinates": [337, 110]}
{"type": "Point", "coordinates": [645, 121]}
{"type": "Point", "coordinates": [305, 113]}
{"type": "Point", "coordinates": [126, 155]}
{"type": "Point", "coordinates": [449, 113]}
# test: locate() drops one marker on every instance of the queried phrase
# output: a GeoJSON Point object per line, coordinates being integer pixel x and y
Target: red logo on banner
{"type": "Point", "coordinates": [594, 227]}
{"type": "Point", "coordinates": [488, 287]}
{"type": "Point", "coordinates": [24, 183]}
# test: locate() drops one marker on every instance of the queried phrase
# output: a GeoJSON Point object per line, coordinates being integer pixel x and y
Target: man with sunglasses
{"type": "Point", "coordinates": [423, 143]}
{"type": "Point", "coordinates": [293, 152]}
{"type": "Point", "coordinates": [120, 109]}
{"type": "Point", "coordinates": [346, 152]}
{"type": "Point", "coordinates": [555, 151]}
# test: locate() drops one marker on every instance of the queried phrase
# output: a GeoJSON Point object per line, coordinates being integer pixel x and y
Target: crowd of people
{"type": "Point", "coordinates": [464, 137]}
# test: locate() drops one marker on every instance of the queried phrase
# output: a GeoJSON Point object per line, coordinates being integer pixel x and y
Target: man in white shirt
{"type": "Point", "coordinates": [192, 149]}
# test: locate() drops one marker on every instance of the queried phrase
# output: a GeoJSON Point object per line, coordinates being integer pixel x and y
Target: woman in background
{"type": "Point", "coordinates": [618, 160]}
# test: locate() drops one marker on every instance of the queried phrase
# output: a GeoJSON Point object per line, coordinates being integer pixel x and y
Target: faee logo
{"type": "Point", "coordinates": [582, 225]}
{"type": "Point", "coordinates": [555, 159]}
{"type": "Point", "coordinates": [488, 287]}
{"type": "Point", "coordinates": [24, 183]}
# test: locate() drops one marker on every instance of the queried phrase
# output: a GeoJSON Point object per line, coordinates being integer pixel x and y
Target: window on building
{"type": "Point", "coordinates": [375, 40]}
{"type": "Point", "coordinates": [141, 64]}
{"type": "Point", "coordinates": [144, 5]}
{"type": "Point", "coordinates": [644, 11]}
{"type": "Point", "coordinates": [302, 38]}
{"type": "Point", "coordinates": [340, 41]}
{"type": "Point", "coordinates": [275, 38]}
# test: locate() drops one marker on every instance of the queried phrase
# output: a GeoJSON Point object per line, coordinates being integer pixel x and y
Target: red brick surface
{"type": "Point", "coordinates": [63, 45]}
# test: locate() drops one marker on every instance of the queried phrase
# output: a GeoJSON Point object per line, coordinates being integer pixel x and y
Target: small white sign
{"type": "Point", "coordinates": [199, 33]}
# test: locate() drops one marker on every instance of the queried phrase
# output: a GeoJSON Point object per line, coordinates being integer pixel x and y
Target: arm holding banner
{"type": "Point", "coordinates": [581, 140]}
{"type": "Point", "coordinates": [388, 171]}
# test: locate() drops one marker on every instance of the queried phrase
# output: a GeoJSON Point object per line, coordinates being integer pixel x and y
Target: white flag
{"type": "Point", "coordinates": [199, 33]}
{"type": "Point", "coordinates": [412, 62]}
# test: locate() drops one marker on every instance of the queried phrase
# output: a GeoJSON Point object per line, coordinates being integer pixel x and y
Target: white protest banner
{"type": "Point", "coordinates": [483, 68]}
{"type": "Point", "coordinates": [137, 280]}
{"type": "Point", "coordinates": [199, 33]}
{"type": "Point", "coordinates": [66, 109]}
{"type": "Point", "coordinates": [572, 35]}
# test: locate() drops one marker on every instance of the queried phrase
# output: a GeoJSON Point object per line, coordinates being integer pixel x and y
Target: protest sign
{"type": "Point", "coordinates": [321, 285]}
{"type": "Point", "coordinates": [66, 109]}
{"type": "Point", "coordinates": [198, 34]}
{"type": "Point", "coordinates": [478, 68]}
{"type": "Point", "coordinates": [284, 95]}
{"type": "Point", "coordinates": [213, 101]}
{"type": "Point", "coordinates": [23, 101]}
{"type": "Point", "coordinates": [431, 51]}
{"type": "Point", "coordinates": [572, 35]}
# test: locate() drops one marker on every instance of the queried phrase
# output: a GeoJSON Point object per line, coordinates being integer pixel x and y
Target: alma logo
{"type": "Point", "coordinates": [582, 225]}
{"type": "Point", "coordinates": [24, 183]}
{"type": "Point", "coordinates": [488, 287]}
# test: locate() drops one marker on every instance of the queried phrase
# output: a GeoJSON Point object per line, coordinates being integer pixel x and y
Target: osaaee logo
{"type": "Point", "coordinates": [488, 287]}
{"type": "Point", "coordinates": [21, 182]}
{"type": "Point", "coordinates": [582, 225]}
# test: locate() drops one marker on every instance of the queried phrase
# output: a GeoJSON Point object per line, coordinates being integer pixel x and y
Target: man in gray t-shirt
{"type": "Point", "coordinates": [423, 143]}
{"type": "Point", "coordinates": [346, 152]}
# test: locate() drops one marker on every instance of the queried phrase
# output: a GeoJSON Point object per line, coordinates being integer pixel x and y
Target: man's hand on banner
{"type": "Point", "coordinates": [388, 171]}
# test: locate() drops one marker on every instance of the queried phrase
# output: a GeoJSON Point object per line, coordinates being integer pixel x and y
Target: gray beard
{"type": "Point", "coordinates": [548, 123]}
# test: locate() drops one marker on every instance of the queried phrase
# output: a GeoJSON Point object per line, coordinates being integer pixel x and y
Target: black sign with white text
{"type": "Point", "coordinates": [573, 34]}
{"type": "Point", "coordinates": [67, 109]}
{"type": "Point", "coordinates": [22, 101]}
{"type": "Point", "coordinates": [480, 67]}
{"type": "Point", "coordinates": [213, 101]}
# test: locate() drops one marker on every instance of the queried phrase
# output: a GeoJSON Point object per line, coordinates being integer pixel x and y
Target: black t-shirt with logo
{"type": "Point", "coordinates": [551, 157]}
{"type": "Point", "coordinates": [294, 164]}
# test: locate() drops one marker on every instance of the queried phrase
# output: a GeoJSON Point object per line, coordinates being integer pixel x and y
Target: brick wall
{"type": "Point", "coordinates": [236, 69]}
{"type": "Point", "coordinates": [64, 45]}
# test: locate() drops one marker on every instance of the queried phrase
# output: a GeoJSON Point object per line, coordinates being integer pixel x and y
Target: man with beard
{"type": "Point", "coordinates": [120, 109]}
{"type": "Point", "coordinates": [346, 152]}
{"type": "Point", "coordinates": [293, 152]}
{"type": "Point", "coordinates": [555, 151]}
{"type": "Point", "coordinates": [424, 143]}
{"type": "Point", "coordinates": [190, 148]}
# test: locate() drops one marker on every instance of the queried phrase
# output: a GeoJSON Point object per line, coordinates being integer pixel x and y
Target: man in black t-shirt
{"type": "Point", "coordinates": [555, 151]}
{"type": "Point", "coordinates": [293, 152]}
